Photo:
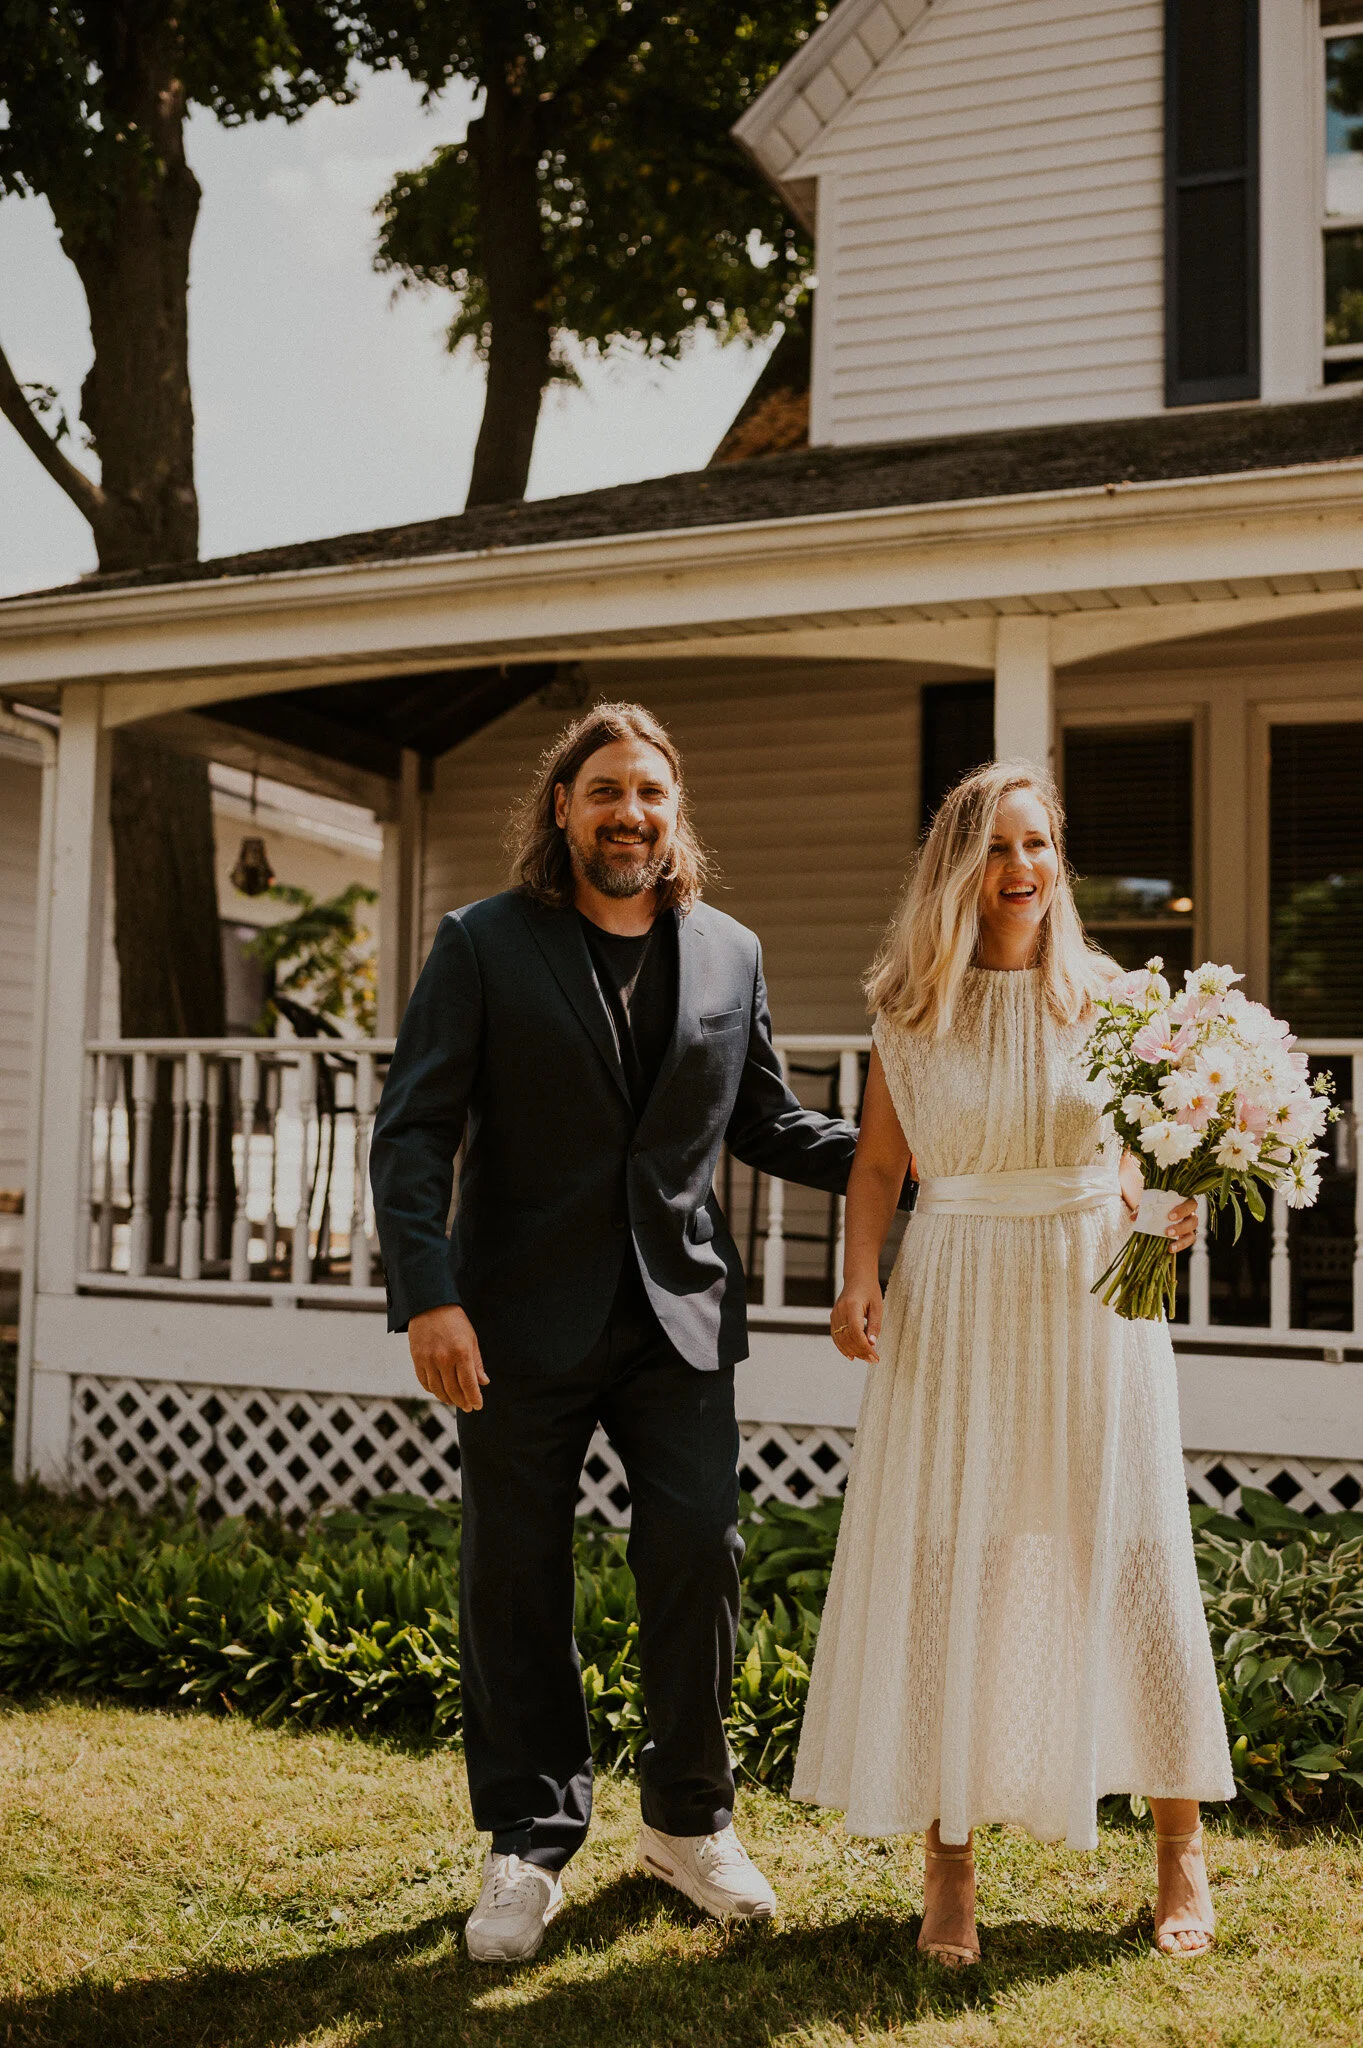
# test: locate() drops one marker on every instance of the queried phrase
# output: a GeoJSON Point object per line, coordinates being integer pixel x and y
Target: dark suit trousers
{"type": "Point", "coordinates": [525, 1722]}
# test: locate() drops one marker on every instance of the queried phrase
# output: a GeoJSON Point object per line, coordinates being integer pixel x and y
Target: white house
{"type": "Point", "coordinates": [1084, 483]}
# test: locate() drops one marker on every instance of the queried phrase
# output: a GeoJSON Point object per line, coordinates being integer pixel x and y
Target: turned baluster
{"type": "Point", "coordinates": [175, 1196]}
{"type": "Point", "coordinates": [301, 1270]}
{"type": "Point", "coordinates": [248, 1088]}
{"type": "Point", "coordinates": [191, 1231]}
{"type": "Point", "coordinates": [774, 1247]}
{"type": "Point", "coordinates": [1280, 1272]}
{"type": "Point", "coordinates": [364, 1111]}
{"type": "Point", "coordinates": [213, 1078]}
{"type": "Point", "coordinates": [106, 1096]}
{"type": "Point", "coordinates": [273, 1092]}
{"type": "Point", "coordinates": [139, 1169]}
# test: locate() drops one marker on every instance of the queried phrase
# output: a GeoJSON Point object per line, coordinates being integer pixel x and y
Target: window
{"type": "Point", "coordinates": [1315, 867]}
{"type": "Point", "coordinates": [957, 735]}
{"type": "Point", "coordinates": [1129, 799]}
{"type": "Point", "coordinates": [1343, 189]}
{"type": "Point", "coordinates": [1211, 202]}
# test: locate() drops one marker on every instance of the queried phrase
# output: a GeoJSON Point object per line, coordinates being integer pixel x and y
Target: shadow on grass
{"type": "Point", "coordinates": [417, 1988]}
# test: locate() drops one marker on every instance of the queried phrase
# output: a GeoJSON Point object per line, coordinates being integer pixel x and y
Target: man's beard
{"type": "Point", "coordinates": [610, 879]}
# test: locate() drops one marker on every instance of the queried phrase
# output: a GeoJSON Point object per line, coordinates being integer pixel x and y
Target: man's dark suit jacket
{"type": "Point", "coordinates": [507, 1041]}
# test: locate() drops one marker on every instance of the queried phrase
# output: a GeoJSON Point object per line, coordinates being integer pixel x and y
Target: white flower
{"type": "Point", "coordinates": [1179, 1089]}
{"type": "Point", "coordinates": [1211, 980]}
{"type": "Point", "coordinates": [1303, 1185]}
{"type": "Point", "coordinates": [1217, 1069]}
{"type": "Point", "coordinates": [1168, 1142]}
{"type": "Point", "coordinates": [1140, 1109]}
{"type": "Point", "coordinates": [1238, 1149]}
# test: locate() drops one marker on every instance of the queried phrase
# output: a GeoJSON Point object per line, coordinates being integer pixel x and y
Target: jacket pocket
{"type": "Point", "coordinates": [721, 1021]}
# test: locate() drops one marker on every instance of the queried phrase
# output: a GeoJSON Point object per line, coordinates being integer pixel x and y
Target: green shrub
{"type": "Point", "coordinates": [352, 1623]}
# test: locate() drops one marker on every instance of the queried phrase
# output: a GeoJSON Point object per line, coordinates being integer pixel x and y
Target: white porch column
{"type": "Point", "coordinates": [400, 896]}
{"type": "Point", "coordinates": [1024, 690]}
{"type": "Point", "coordinates": [75, 938]}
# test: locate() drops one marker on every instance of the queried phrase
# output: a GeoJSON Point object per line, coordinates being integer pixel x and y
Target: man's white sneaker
{"type": "Point", "coordinates": [517, 1902]}
{"type": "Point", "coordinates": [715, 1872]}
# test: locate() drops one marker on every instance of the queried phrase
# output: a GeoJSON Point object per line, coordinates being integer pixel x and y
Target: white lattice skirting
{"type": "Point", "coordinates": [293, 1453]}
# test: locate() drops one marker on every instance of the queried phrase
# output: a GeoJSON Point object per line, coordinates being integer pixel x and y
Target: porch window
{"type": "Point", "coordinates": [1211, 200]}
{"type": "Point", "coordinates": [1343, 191]}
{"type": "Point", "coordinates": [1129, 797]}
{"type": "Point", "coordinates": [1315, 823]}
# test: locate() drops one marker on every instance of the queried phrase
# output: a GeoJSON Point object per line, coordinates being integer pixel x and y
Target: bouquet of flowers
{"type": "Point", "coordinates": [1206, 1089]}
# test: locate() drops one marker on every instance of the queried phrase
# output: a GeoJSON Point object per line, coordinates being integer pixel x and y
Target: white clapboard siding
{"type": "Point", "coordinates": [20, 789]}
{"type": "Point", "coordinates": [990, 218]}
{"type": "Point", "coordinates": [803, 780]}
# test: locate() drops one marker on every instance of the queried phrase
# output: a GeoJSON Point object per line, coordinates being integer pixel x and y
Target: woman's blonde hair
{"type": "Point", "coordinates": [932, 940]}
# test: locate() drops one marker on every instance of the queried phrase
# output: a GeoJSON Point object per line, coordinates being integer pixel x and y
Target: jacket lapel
{"type": "Point", "coordinates": [558, 935]}
{"type": "Point", "coordinates": [687, 1027]}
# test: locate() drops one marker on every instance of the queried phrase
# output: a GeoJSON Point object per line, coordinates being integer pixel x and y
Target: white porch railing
{"type": "Point", "coordinates": [223, 1168]}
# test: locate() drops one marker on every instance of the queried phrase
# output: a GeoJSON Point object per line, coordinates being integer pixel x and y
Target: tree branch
{"type": "Point", "coordinates": [84, 493]}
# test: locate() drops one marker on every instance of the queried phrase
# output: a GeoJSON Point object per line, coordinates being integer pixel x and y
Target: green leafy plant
{"type": "Point", "coordinates": [351, 1623]}
{"type": "Point", "coordinates": [322, 957]}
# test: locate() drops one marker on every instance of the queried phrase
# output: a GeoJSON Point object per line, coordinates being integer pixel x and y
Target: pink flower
{"type": "Point", "coordinates": [1158, 1041]}
{"type": "Point", "coordinates": [1251, 1116]}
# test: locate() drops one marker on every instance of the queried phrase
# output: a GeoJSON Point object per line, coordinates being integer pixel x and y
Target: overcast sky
{"type": "Point", "coordinates": [321, 405]}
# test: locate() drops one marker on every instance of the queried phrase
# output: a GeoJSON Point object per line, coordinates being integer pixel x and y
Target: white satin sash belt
{"type": "Point", "coordinates": [1028, 1191]}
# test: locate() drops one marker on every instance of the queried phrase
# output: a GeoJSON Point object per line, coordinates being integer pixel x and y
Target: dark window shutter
{"type": "Point", "coordinates": [957, 735]}
{"type": "Point", "coordinates": [1315, 859]}
{"type": "Point", "coordinates": [1211, 200]}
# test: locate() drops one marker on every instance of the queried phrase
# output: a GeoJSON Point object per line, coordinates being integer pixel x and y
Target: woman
{"type": "Point", "coordinates": [1014, 1626]}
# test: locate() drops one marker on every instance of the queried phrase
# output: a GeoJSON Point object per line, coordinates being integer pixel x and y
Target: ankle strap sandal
{"type": "Point", "coordinates": [1196, 1939]}
{"type": "Point", "coordinates": [950, 1954]}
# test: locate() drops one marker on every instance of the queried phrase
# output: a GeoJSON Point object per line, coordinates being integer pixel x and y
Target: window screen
{"type": "Point", "coordinates": [1211, 271]}
{"type": "Point", "coordinates": [1129, 800]}
{"type": "Point", "coordinates": [1315, 829]}
{"type": "Point", "coordinates": [957, 735]}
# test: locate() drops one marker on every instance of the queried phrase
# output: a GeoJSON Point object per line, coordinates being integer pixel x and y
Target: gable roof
{"type": "Point", "coordinates": [803, 483]}
{"type": "Point", "coordinates": [816, 84]}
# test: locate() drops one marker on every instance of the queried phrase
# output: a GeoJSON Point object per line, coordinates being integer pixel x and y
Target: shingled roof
{"type": "Point", "coordinates": [1227, 441]}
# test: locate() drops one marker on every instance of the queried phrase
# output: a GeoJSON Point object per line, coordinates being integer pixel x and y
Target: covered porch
{"type": "Point", "coordinates": [1184, 653]}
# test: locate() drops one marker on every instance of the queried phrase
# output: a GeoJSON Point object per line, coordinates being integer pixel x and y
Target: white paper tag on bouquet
{"type": "Point", "coordinates": [1157, 1206]}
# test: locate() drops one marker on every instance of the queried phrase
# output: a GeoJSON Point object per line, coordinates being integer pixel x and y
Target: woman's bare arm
{"type": "Point", "coordinates": [873, 1191]}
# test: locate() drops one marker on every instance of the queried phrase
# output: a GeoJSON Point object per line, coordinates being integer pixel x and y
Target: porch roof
{"type": "Point", "coordinates": [804, 483]}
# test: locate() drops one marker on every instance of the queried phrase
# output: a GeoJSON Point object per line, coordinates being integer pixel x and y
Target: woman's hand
{"type": "Point", "coordinates": [1131, 1181]}
{"type": "Point", "coordinates": [855, 1323]}
{"type": "Point", "coordinates": [1181, 1228]}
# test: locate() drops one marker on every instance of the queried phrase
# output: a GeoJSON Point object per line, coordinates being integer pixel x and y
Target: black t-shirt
{"type": "Point", "coordinates": [638, 979]}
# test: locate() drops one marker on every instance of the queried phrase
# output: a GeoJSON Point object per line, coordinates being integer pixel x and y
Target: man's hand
{"type": "Point", "coordinates": [444, 1347]}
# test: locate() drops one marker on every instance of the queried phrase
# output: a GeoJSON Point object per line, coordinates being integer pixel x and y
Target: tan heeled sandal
{"type": "Point", "coordinates": [1169, 1944]}
{"type": "Point", "coordinates": [947, 1952]}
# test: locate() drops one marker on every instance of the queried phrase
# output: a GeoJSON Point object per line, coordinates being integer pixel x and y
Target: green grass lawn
{"type": "Point", "coordinates": [179, 1879]}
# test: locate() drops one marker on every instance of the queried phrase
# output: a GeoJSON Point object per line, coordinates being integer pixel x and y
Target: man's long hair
{"type": "Point", "coordinates": [541, 864]}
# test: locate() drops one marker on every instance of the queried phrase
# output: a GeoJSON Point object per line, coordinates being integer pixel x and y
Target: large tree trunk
{"type": "Point", "coordinates": [505, 143]}
{"type": "Point", "coordinates": [133, 260]}
{"type": "Point", "coordinates": [166, 931]}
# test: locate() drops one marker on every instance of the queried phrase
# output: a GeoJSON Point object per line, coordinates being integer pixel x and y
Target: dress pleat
{"type": "Point", "coordinates": [1014, 1625]}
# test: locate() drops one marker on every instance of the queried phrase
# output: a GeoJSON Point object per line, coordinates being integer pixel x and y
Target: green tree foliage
{"type": "Point", "coordinates": [321, 957]}
{"type": "Point", "coordinates": [599, 197]}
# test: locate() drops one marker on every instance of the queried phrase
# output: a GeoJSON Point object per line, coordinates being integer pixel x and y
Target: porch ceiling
{"type": "Point", "coordinates": [366, 725]}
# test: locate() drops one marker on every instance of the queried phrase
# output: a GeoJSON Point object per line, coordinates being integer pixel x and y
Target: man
{"type": "Point", "coordinates": [594, 1035]}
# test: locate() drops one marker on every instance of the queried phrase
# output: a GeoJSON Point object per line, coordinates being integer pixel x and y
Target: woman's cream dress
{"type": "Point", "coordinates": [1013, 1626]}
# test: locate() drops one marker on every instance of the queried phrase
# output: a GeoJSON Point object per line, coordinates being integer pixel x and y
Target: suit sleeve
{"type": "Point", "coordinates": [770, 1129]}
{"type": "Point", "coordinates": [420, 1122]}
